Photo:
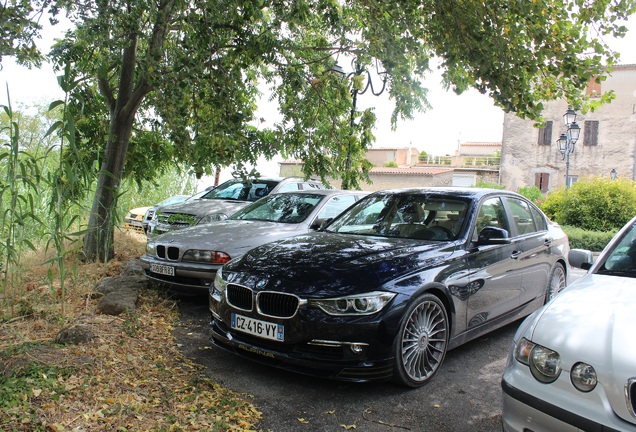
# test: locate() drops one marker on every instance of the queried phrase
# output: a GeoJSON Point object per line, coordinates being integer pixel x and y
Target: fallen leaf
{"type": "Point", "coordinates": [436, 406]}
{"type": "Point", "coordinates": [331, 412]}
{"type": "Point", "coordinates": [37, 392]}
{"type": "Point", "coordinates": [303, 421]}
{"type": "Point", "coordinates": [348, 427]}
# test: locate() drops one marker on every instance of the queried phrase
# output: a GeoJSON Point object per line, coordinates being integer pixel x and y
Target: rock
{"type": "Point", "coordinates": [75, 335]}
{"type": "Point", "coordinates": [120, 293]}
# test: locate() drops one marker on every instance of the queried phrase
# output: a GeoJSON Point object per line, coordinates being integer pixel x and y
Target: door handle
{"type": "Point", "coordinates": [547, 241]}
{"type": "Point", "coordinates": [516, 254]}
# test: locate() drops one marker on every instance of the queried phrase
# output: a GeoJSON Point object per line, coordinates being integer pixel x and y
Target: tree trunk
{"type": "Point", "coordinates": [99, 238]}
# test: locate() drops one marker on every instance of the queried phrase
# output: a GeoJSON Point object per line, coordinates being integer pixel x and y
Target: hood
{"type": "Point", "coordinates": [593, 321]}
{"type": "Point", "coordinates": [139, 211]}
{"type": "Point", "coordinates": [234, 237]}
{"type": "Point", "coordinates": [204, 207]}
{"type": "Point", "coordinates": [323, 263]}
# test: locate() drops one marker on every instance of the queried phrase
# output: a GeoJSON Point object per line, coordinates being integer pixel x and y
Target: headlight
{"type": "Point", "coordinates": [219, 284]}
{"type": "Point", "coordinates": [583, 377]}
{"type": "Point", "coordinates": [360, 304]}
{"type": "Point", "coordinates": [544, 363]}
{"type": "Point", "coordinates": [206, 256]}
{"type": "Point", "coordinates": [212, 218]}
{"type": "Point", "coordinates": [151, 248]}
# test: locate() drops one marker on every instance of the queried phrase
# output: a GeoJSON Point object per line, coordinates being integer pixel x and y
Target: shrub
{"type": "Point", "coordinates": [422, 156]}
{"type": "Point", "coordinates": [584, 239]}
{"type": "Point", "coordinates": [485, 184]}
{"type": "Point", "coordinates": [533, 193]}
{"type": "Point", "coordinates": [594, 204]}
{"type": "Point", "coordinates": [391, 164]}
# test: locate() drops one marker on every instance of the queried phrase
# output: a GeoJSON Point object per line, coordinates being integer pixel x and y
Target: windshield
{"type": "Point", "coordinates": [241, 190]}
{"type": "Point", "coordinates": [621, 261]}
{"type": "Point", "coordinates": [289, 208]}
{"type": "Point", "coordinates": [417, 216]}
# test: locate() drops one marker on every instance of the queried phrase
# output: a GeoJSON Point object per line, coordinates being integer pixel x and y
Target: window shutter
{"type": "Point", "coordinates": [590, 133]}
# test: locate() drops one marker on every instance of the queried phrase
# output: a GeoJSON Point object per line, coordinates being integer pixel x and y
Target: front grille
{"type": "Point", "coordinates": [168, 252]}
{"type": "Point", "coordinates": [176, 219]}
{"type": "Point", "coordinates": [240, 297]}
{"type": "Point", "coordinates": [150, 214]}
{"type": "Point", "coordinates": [277, 304]}
{"type": "Point", "coordinates": [630, 392]}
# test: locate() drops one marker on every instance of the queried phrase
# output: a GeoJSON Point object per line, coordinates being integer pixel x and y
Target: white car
{"type": "Point", "coordinates": [572, 366]}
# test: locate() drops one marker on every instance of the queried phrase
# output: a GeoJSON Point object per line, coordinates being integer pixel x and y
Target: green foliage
{"type": "Point", "coordinates": [422, 156]}
{"type": "Point", "coordinates": [586, 239]}
{"type": "Point", "coordinates": [533, 193]}
{"type": "Point", "coordinates": [390, 164]}
{"type": "Point", "coordinates": [23, 384]}
{"type": "Point", "coordinates": [594, 204]}
{"type": "Point", "coordinates": [487, 185]}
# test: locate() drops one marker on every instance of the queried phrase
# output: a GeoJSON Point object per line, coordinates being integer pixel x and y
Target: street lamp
{"type": "Point", "coordinates": [358, 70]}
{"type": "Point", "coordinates": [567, 141]}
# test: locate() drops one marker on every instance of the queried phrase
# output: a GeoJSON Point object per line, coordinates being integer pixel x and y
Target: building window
{"type": "Point", "coordinates": [593, 88]}
{"type": "Point", "coordinates": [542, 180]}
{"type": "Point", "coordinates": [571, 180]}
{"type": "Point", "coordinates": [545, 134]}
{"type": "Point", "coordinates": [590, 133]}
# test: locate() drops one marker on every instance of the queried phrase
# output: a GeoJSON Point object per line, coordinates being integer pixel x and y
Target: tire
{"type": "Point", "coordinates": [556, 282]}
{"type": "Point", "coordinates": [421, 343]}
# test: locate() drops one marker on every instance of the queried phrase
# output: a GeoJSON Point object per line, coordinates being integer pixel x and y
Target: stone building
{"type": "Point", "coordinates": [607, 142]}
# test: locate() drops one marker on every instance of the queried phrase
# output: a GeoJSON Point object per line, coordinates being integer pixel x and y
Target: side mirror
{"type": "Point", "coordinates": [320, 223]}
{"type": "Point", "coordinates": [581, 258]}
{"type": "Point", "coordinates": [493, 235]}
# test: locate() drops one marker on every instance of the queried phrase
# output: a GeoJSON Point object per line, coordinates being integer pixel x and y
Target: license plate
{"type": "Point", "coordinates": [258, 328]}
{"type": "Point", "coordinates": [162, 269]}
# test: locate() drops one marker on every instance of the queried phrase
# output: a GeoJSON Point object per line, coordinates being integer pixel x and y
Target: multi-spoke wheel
{"type": "Point", "coordinates": [420, 346]}
{"type": "Point", "coordinates": [556, 282]}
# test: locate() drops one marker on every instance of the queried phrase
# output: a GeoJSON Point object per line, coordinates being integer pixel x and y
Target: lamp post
{"type": "Point", "coordinates": [567, 141]}
{"type": "Point", "coordinates": [358, 70]}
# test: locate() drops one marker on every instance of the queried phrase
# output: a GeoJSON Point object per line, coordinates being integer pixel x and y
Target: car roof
{"type": "Point", "coordinates": [451, 191]}
{"type": "Point", "coordinates": [325, 192]}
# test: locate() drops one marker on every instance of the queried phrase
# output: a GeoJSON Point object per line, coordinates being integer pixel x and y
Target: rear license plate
{"type": "Point", "coordinates": [162, 269]}
{"type": "Point", "coordinates": [258, 328]}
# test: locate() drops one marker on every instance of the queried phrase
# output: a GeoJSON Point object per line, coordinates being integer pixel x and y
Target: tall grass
{"type": "Point", "coordinates": [45, 199]}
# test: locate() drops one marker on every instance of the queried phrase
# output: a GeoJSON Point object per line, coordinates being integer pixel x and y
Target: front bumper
{"type": "Point", "coordinates": [187, 276]}
{"type": "Point", "coordinates": [359, 350]}
{"type": "Point", "coordinates": [531, 406]}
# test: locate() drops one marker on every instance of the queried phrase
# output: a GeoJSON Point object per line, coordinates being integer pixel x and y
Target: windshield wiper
{"type": "Point", "coordinates": [624, 273]}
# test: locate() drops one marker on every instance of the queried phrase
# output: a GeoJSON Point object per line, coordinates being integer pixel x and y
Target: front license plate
{"type": "Point", "coordinates": [162, 269]}
{"type": "Point", "coordinates": [258, 328]}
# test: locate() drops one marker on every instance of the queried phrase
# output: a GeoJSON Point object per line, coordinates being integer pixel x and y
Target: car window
{"type": "Point", "coordinates": [622, 259]}
{"type": "Point", "coordinates": [492, 214]}
{"type": "Point", "coordinates": [288, 187]}
{"type": "Point", "coordinates": [241, 190]}
{"type": "Point", "coordinates": [335, 206]}
{"type": "Point", "coordinates": [285, 208]}
{"type": "Point", "coordinates": [402, 215]}
{"type": "Point", "coordinates": [522, 216]}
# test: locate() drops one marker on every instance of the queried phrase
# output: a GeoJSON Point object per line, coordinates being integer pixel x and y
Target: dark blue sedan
{"type": "Point", "coordinates": [385, 289]}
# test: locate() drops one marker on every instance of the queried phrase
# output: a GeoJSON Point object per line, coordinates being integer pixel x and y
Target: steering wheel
{"type": "Point", "coordinates": [441, 233]}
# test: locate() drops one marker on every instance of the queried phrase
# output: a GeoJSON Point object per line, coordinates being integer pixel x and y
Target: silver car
{"type": "Point", "coordinates": [188, 259]}
{"type": "Point", "coordinates": [572, 366]}
{"type": "Point", "coordinates": [221, 202]}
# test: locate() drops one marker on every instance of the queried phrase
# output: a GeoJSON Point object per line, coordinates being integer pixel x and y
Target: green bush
{"type": "Point", "coordinates": [594, 204]}
{"type": "Point", "coordinates": [533, 193]}
{"type": "Point", "coordinates": [485, 184]}
{"type": "Point", "coordinates": [391, 164]}
{"type": "Point", "coordinates": [584, 239]}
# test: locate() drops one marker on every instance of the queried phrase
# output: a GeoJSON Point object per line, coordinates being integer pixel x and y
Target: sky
{"type": "Point", "coordinates": [453, 119]}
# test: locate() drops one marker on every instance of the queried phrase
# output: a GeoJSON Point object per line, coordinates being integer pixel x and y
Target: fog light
{"type": "Point", "coordinates": [357, 348]}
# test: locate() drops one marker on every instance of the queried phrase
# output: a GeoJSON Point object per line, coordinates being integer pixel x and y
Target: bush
{"type": "Point", "coordinates": [584, 239]}
{"type": "Point", "coordinates": [391, 164]}
{"type": "Point", "coordinates": [485, 184]}
{"type": "Point", "coordinates": [594, 204]}
{"type": "Point", "coordinates": [533, 193]}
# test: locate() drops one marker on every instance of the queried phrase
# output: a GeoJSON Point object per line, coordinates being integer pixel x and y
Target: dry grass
{"type": "Point", "coordinates": [131, 377]}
